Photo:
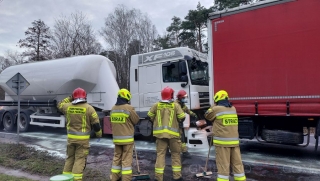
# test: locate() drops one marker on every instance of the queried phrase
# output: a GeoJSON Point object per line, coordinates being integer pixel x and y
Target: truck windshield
{"type": "Point", "coordinates": [198, 72]}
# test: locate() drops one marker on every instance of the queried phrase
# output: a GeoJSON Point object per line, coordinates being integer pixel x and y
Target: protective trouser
{"type": "Point", "coordinates": [122, 163]}
{"type": "Point", "coordinates": [184, 147]}
{"type": "Point", "coordinates": [77, 152]}
{"type": "Point", "coordinates": [162, 145]}
{"type": "Point", "coordinates": [226, 156]}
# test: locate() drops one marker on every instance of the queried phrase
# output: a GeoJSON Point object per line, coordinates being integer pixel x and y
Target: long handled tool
{"type": "Point", "coordinates": [183, 136]}
{"type": "Point", "coordinates": [139, 176]}
{"type": "Point", "coordinates": [205, 173]}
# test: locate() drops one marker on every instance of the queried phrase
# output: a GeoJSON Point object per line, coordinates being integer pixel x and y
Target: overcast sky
{"type": "Point", "coordinates": [17, 15]}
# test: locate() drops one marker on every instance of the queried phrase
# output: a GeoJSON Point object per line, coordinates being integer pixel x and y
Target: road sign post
{"type": "Point", "coordinates": [18, 84]}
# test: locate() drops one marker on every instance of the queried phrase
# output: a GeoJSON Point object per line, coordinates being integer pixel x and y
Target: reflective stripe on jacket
{"type": "Point", "coordinates": [79, 117]}
{"type": "Point", "coordinates": [225, 125]}
{"type": "Point", "coordinates": [123, 118]}
{"type": "Point", "coordinates": [165, 116]}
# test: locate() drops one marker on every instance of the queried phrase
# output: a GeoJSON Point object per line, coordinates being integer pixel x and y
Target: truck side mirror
{"type": "Point", "coordinates": [185, 80]}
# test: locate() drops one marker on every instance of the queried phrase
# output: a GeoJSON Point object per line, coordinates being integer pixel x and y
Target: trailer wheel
{"type": "Point", "coordinates": [282, 137]}
{"type": "Point", "coordinates": [2, 111]}
{"type": "Point", "coordinates": [8, 121]}
{"type": "Point", "coordinates": [24, 122]}
{"type": "Point", "coordinates": [145, 127]}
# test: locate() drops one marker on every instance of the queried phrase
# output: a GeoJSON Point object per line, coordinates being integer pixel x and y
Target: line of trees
{"type": "Point", "coordinates": [126, 32]}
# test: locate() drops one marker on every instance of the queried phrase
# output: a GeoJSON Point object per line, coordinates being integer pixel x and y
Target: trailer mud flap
{"type": "Point", "coordinates": [107, 129]}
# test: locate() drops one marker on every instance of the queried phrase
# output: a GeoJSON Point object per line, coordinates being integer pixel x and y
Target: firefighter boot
{"type": "Point", "coordinates": [186, 154]}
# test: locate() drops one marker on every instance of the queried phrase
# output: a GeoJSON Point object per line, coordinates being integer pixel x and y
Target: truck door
{"type": "Point", "coordinates": [149, 86]}
{"type": "Point", "coordinates": [174, 75]}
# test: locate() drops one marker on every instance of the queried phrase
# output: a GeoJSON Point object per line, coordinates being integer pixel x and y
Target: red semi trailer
{"type": "Point", "coordinates": [267, 57]}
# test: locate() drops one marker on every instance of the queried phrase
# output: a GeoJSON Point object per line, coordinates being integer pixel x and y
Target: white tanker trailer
{"type": "Point", "coordinates": [51, 81]}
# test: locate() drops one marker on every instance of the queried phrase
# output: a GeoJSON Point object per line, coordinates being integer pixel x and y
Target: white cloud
{"type": "Point", "coordinates": [16, 16]}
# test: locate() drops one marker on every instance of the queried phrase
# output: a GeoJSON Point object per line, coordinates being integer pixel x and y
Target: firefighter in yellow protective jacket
{"type": "Point", "coordinates": [166, 116]}
{"type": "Point", "coordinates": [80, 117]}
{"type": "Point", "coordinates": [181, 100]}
{"type": "Point", "coordinates": [226, 137]}
{"type": "Point", "coordinates": [123, 118]}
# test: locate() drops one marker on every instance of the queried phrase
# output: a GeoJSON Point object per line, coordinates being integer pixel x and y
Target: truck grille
{"type": "Point", "coordinates": [204, 99]}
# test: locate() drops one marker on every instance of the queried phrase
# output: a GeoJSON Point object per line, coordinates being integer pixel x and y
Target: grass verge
{"type": "Point", "coordinates": [12, 178]}
{"type": "Point", "coordinates": [29, 159]}
{"type": "Point", "coordinates": [37, 162]}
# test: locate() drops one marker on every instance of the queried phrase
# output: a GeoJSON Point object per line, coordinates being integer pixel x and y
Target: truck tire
{"type": "Point", "coordinates": [282, 137]}
{"type": "Point", "coordinates": [2, 111]}
{"type": "Point", "coordinates": [24, 122]}
{"type": "Point", "coordinates": [145, 128]}
{"type": "Point", "coordinates": [8, 121]}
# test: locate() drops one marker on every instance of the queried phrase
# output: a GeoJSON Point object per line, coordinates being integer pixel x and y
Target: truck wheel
{"type": "Point", "coordinates": [145, 127]}
{"type": "Point", "coordinates": [2, 111]}
{"type": "Point", "coordinates": [8, 121]}
{"type": "Point", "coordinates": [282, 137]}
{"type": "Point", "coordinates": [24, 122]}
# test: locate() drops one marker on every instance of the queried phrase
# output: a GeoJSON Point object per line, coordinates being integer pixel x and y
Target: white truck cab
{"type": "Point", "coordinates": [178, 68]}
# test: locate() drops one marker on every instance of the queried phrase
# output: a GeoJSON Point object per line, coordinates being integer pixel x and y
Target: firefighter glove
{"type": "Point", "coordinates": [99, 134]}
{"type": "Point", "coordinates": [67, 99]}
{"type": "Point", "coordinates": [181, 124]}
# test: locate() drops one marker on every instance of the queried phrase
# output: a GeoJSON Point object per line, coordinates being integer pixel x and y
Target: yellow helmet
{"type": "Point", "coordinates": [124, 93]}
{"type": "Point", "coordinates": [220, 95]}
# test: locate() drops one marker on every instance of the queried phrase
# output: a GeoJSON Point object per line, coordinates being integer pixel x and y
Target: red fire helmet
{"type": "Point", "coordinates": [181, 94]}
{"type": "Point", "coordinates": [167, 93]}
{"type": "Point", "coordinates": [79, 93]}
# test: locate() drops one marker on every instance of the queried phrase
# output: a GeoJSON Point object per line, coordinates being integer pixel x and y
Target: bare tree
{"type": "Point", "coordinates": [122, 29]}
{"type": "Point", "coordinates": [145, 32]}
{"type": "Point", "coordinates": [4, 62]}
{"type": "Point", "coordinates": [15, 57]}
{"type": "Point", "coordinates": [74, 35]}
{"type": "Point", "coordinates": [37, 41]}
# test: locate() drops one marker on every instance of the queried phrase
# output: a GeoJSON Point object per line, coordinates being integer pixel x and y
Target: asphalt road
{"type": "Point", "coordinates": [262, 161]}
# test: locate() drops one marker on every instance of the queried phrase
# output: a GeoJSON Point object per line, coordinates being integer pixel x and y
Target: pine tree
{"type": "Point", "coordinates": [37, 41]}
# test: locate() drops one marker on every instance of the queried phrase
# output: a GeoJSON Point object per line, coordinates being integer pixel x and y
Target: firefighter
{"type": "Point", "coordinates": [80, 117]}
{"type": "Point", "coordinates": [181, 100]}
{"type": "Point", "coordinates": [123, 118]}
{"type": "Point", "coordinates": [226, 137]}
{"type": "Point", "coordinates": [166, 116]}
